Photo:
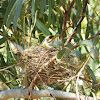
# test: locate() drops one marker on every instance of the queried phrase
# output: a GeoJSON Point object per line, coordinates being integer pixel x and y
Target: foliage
{"type": "Point", "coordinates": [24, 22]}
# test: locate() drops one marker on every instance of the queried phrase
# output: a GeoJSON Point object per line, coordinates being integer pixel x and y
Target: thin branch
{"type": "Point", "coordinates": [92, 37]}
{"type": "Point", "coordinates": [24, 93]}
{"type": "Point", "coordinates": [9, 67]}
{"type": "Point", "coordinates": [80, 72]}
{"type": "Point", "coordinates": [66, 13]}
{"type": "Point", "coordinates": [72, 78]}
{"type": "Point", "coordinates": [79, 22]}
{"type": "Point", "coordinates": [1, 33]}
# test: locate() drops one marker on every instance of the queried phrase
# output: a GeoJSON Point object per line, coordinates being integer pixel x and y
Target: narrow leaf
{"type": "Point", "coordinates": [42, 6]}
{"type": "Point", "coordinates": [11, 15]}
{"type": "Point", "coordinates": [33, 10]}
{"type": "Point", "coordinates": [49, 17]}
{"type": "Point", "coordinates": [86, 43]}
{"type": "Point", "coordinates": [19, 6]}
{"type": "Point", "coordinates": [2, 61]}
{"type": "Point", "coordinates": [92, 74]}
{"type": "Point", "coordinates": [3, 79]}
{"type": "Point", "coordinates": [42, 27]}
{"type": "Point", "coordinates": [61, 53]}
{"type": "Point", "coordinates": [2, 40]}
{"type": "Point", "coordinates": [8, 10]}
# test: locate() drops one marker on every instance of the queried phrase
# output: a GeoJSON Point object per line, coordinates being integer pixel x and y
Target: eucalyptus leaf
{"type": "Point", "coordinates": [42, 27]}
{"type": "Point", "coordinates": [42, 7]}
{"type": "Point", "coordinates": [78, 53]}
{"type": "Point", "coordinates": [95, 53]}
{"type": "Point", "coordinates": [2, 40]}
{"type": "Point", "coordinates": [33, 10]}
{"type": "Point", "coordinates": [19, 6]}
{"type": "Point", "coordinates": [3, 79]}
{"type": "Point", "coordinates": [49, 16]}
{"type": "Point", "coordinates": [66, 56]}
{"type": "Point", "coordinates": [61, 53]}
{"type": "Point", "coordinates": [11, 15]}
{"type": "Point", "coordinates": [70, 46]}
{"type": "Point", "coordinates": [86, 43]}
{"type": "Point", "coordinates": [2, 61]}
{"type": "Point", "coordinates": [8, 10]}
{"type": "Point", "coordinates": [92, 74]}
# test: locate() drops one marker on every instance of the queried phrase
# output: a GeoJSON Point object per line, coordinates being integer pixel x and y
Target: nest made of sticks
{"type": "Point", "coordinates": [41, 66]}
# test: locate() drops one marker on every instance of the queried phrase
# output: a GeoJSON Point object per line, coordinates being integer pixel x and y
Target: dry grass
{"type": "Point", "coordinates": [43, 68]}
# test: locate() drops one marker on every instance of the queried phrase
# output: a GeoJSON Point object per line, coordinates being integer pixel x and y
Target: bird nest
{"type": "Point", "coordinates": [41, 67]}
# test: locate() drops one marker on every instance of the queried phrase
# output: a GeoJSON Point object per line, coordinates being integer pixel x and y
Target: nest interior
{"type": "Point", "coordinates": [41, 66]}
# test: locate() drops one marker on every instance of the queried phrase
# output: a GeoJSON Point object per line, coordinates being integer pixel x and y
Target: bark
{"type": "Point", "coordinates": [25, 92]}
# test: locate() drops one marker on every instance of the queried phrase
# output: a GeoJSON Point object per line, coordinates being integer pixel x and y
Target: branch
{"type": "Point", "coordinates": [1, 33]}
{"type": "Point", "coordinates": [7, 67]}
{"type": "Point", "coordinates": [79, 22]}
{"type": "Point", "coordinates": [79, 73]}
{"type": "Point", "coordinates": [92, 37]}
{"type": "Point", "coordinates": [24, 93]}
{"type": "Point", "coordinates": [66, 13]}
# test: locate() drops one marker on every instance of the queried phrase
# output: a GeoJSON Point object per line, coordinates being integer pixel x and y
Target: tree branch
{"type": "Point", "coordinates": [92, 37]}
{"type": "Point", "coordinates": [66, 13]}
{"type": "Point", "coordinates": [79, 22]}
{"type": "Point", "coordinates": [7, 67]}
{"type": "Point", "coordinates": [24, 93]}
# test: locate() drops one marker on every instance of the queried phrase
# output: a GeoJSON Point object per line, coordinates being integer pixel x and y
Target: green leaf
{"type": "Point", "coordinates": [76, 13]}
{"type": "Point", "coordinates": [79, 3]}
{"type": "Point", "coordinates": [3, 79]}
{"type": "Point", "coordinates": [70, 46]}
{"type": "Point", "coordinates": [2, 47]}
{"type": "Point", "coordinates": [10, 60]}
{"type": "Point", "coordinates": [90, 28]}
{"type": "Point", "coordinates": [86, 43]}
{"type": "Point", "coordinates": [36, 4]}
{"type": "Point", "coordinates": [87, 29]}
{"type": "Point", "coordinates": [61, 53]}
{"type": "Point", "coordinates": [9, 54]}
{"type": "Point", "coordinates": [60, 44]}
{"type": "Point", "coordinates": [49, 17]}
{"type": "Point", "coordinates": [78, 53]}
{"type": "Point", "coordinates": [60, 22]}
{"type": "Point", "coordinates": [42, 6]}
{"type": "Point", "coordinates": [11, 15]}
{"type": "Point", "coordinates": [19, 6]}
{"type": "Point", "coordinates": [2, 61]}
{"type": "Point", "coordinates": [2, 40]}
{"type": "Point", "coordinates": [33, 10]}
{"type": "Point", "coordinates": [21, 17]}
{"type": "Point", "coordinates": [95, 52]}
{"type": "Point", "coordinates": [2, 10]}
{"type": "Point", "coordinates": [65, 52]}
{"type": "Point", "coordinates": [66, 56]}
{"type": "Point", "coordinates": [92, 75]}
{"type": "Point", "coordinates": [42, 27]}
{"type": "Point", "coordinates": [41, 38]}
{"type": "Point", "coordinates": [94, 88]}
{"type": "Point", "coordinates": [34, 22]}
{"type": "Point", "coordinates": [8, 10]}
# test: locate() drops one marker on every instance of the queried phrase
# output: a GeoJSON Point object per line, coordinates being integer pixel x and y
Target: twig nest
{"type": "Point", "coordinates": [42, 67]}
